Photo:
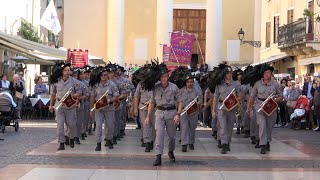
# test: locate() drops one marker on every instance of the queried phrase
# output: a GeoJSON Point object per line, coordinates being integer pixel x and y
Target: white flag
{"type": "Point", "coordinates": [50, 19]}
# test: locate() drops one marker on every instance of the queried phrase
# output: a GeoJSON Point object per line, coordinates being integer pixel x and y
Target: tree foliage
{"type": "Point", "coordinates": [27, 31]}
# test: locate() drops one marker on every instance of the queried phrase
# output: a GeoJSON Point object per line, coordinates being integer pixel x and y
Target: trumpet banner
{"type": "Point", "coordinates": [193, 108]}
{"type": "Point", "coordinates": [103, 102]}
{"type": "Point", "coordinates": [269, 106]}
{"type": "Point", "coordinates": [116, 105]}
{"type": "Point", "coordinates": [230, 102]}
{"type": "Point", "coordinates": [69, 101]}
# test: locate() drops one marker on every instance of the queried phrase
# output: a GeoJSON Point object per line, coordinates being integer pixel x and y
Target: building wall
{"type": "Point", "coordinates": [235, 18]}
{"type": "Point", "coordinates": [139, 23]}
{"type": "Point", "coordinates": [85, 26]}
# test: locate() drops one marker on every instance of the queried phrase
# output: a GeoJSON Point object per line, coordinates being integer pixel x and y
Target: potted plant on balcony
{"type": "Point", "coordinates": [309, 16]}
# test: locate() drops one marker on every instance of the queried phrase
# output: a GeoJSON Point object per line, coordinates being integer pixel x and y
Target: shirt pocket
{"type": "Point", "coordinates": [169, 95]}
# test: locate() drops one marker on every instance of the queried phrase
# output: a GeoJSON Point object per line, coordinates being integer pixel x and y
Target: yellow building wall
{"type": "Point", "coordinates": [139, 23]}
{"type": "Point", "coordinates": [269, 10]}
{"type": "Point", "coordinates": [85, 26]}
{"type": "Point", "coordinates": [233, 19]}
{"type": "Point", "coordinates": [189, 1]}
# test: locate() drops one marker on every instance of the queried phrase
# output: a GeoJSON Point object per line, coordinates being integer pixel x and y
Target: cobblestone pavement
{"type": "Point", "coordinates": [32, 134]}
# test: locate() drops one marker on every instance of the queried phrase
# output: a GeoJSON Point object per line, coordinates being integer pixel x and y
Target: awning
{"type": "Point", "coordinates": [36, 53]}
{"type": "Point", "coordinates": [308, 61]}
{"type": "Point", "coordinates": [271, 59]}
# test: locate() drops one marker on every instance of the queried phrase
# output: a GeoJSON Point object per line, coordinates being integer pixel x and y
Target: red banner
{"type": "Point", "coordinates": [77, 57]}
{"type": "Point", "coordinates": [180, 50]}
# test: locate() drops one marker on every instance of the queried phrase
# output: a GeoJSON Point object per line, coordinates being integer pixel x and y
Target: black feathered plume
{"type": "Point", "coordinates": [139, 74]}
{"type": "Point", "coordinates": [95, 75]}
{"type": "Point", "coordinates": [179, 76]}
{"type": "Point", "coordinates": [153, 75]}
{"type": "Point", "coordinates": [57, 72]}
{"type": "Point", "coordinates": [253, 74]}
{"type": "Point", "coordinates": [235, 74]}
{"type": "Point", "coordinates": [217, 75]}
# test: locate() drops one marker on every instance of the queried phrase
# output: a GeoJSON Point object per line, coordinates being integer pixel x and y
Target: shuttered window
{"type": "Point", "coordinates": [268, 33]}
{"type": "Point", "coordinates": [276, 29]}
{"type": "Point", "coordinates": [290, 16]}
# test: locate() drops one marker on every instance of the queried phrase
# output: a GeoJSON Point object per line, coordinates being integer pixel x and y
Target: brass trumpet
{"type": "Point", "coordinates": [94, 106]}
{"type": "Point", "coordinates": [57, 105]}
{"type": "Point", "coordinates": [265, 101]}
{"type": "Point", "coordinates": [189, 105]}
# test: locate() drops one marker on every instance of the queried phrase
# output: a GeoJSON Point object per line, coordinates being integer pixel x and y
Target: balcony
{"type": "Point", "coordinates": [301, 37]}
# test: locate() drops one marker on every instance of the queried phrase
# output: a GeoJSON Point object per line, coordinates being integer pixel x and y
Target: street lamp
{"type": "Point", "coordinates": [241, 34]}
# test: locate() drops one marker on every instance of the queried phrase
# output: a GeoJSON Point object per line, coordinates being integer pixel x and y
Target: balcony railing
{"type": "Point", "coordinates": [304, 30]}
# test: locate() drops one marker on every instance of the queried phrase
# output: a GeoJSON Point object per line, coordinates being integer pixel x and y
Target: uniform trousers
{"type": "Point", "coordinates": [188, 126]}
{"type": "Point", "coordinates": [105, 115]}
{"type": "Point", "coordinates": [226, 121]}
{"type": "Point", "coordinates": [116, 123]}
{"type": "Point", "coordinates": [79, 120]}
{"type": "Point", "coordinates": [148, 133]}
{"type": "Point", "coordinates": [68, 117]}
{"type": "Point", "coordinates": [265, 125]}
{"type": "Point", "coordinates": [123, 114]}
{"type": "Point", "coordinates": [164, 120]}
{"type": "Point", "coordinates": [86, 120]}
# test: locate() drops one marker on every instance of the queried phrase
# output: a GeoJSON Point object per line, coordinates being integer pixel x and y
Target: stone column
{"type": "Point", "coordinates": [164, 24]}
{"type": "Point", "coordinates": [115, 31]}
{"type": "Point", "coordinates": [214, 33]}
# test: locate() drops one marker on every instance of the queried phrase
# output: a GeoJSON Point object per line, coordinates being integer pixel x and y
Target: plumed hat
{"type": "Point", "coordinates": [152, 76]}
{"type": "Point", "coordinates": [95, 75]}
{"type": "Point", "coordinates": [57, 72]}
{"type": "Point", "coordinates": [180, 75]}
{"type": "Point", "coordinates": [217, 75]}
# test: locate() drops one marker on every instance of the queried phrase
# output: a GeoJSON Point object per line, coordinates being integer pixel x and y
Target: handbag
{"type": "Point", "coordinates": [291, 104]}
{"type": "Point", "coordinates": [19, 95]}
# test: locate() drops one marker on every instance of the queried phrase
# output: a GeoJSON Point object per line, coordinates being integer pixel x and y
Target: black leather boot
{"type": "Point", "coordinates": [152, 145]}
{"type": "Point", "coordinates": [257, 144]}
{"type": "Point", "coordinates": [253, 140]}
{"type": "Point", "coordinates": [172, 159]}
{"type": "Point", "coordinates": [118, 137]}
{"type": "Point", "coordinates": [247, 134]}
{"type": "Point", "coordinates": [90, 131]}
{"type": "Point", "coordinates": [228, 147]}
{"type": "Point", "coordinates": [148, 147]}
{"type": "Point", "coordinates": [263, 149]}
{"type": "Point", "coordinates": [67, 142]}
{"type": "Point", "coordinates": [219, 144]}
{"type": "Point", "coordinates": [191, 146]}
{"type": "Point", "coordinates": [98, 147]}
{"type": "Point", "coordinates": [114, 140]}
{"type": "Point", "coordinates": [72, 143]}
{"type": "Point", "coordinates": [109, 144]}
{"type": "Point", "coordinates": [268, 146]}
{"type": "Point", "coordinates": [184, 148]}
{"type": "Point", "coordinates": [83, 136]}
{"type": "Point", "coordinates": [94, 126]}
{"type": "Point", "coordinates": [61, 147]}
{"type": "Point", "coordinates": [77, 140]}
{"type": "Point", "coordinates": [238, 131]}
{"type": "Point", "coordinates": [224, 149]}
{"type": "Point", "coordinates": [158, 160]}
{"type": "Point", "coordinates": [143, 144]}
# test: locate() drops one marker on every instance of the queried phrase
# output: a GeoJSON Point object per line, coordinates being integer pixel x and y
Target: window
{"type": "Point", "coordinates": [276, 29]}
{"type": "Point", "coordinates": [268, 33]}
{"type": "Point", "coordinates": [59, 3]}
{"type": "Point", "coordinates": [290, 16]}
{"type": "Point", "coordinates": [292, 72]}
{"type": "Point", "coordinates": [311, 68]}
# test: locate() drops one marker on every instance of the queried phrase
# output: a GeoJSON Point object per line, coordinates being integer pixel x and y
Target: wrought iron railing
{"type": "Point", "coordinates": [302, 30]}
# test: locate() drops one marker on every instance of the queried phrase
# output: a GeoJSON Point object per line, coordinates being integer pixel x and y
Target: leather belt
{"type": "Point", "coordinates": [110, 103]}
{"type": "Point", "coordinates": [166, 108]}
{"type": "Point", "coordinates": [220, 101]}
{"type": "Point", "coordinates": [262, 99]}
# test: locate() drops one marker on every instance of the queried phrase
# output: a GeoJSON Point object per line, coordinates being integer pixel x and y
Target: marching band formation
{"type": "Point", "coordinates": [86, 98]}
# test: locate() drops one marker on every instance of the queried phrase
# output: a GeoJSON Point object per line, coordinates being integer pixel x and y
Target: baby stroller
{"type": "Point", "coordinates": [7, 117]}
{"type": "Point", "coordinates": [299, 116]}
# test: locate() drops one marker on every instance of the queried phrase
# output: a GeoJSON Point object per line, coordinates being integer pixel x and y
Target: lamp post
{"type": "Point", "coordinates": [241, 34]}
